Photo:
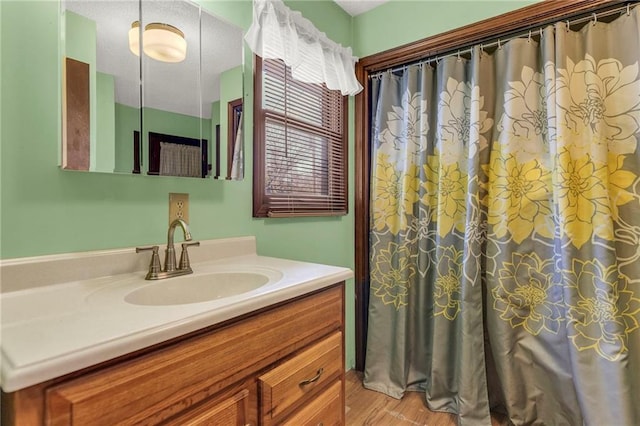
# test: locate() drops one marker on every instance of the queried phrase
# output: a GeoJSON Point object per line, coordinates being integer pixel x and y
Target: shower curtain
{"type": "Point", "coordinates": [505, 229]}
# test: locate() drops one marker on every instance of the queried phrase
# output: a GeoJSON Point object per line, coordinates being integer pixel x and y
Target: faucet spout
{"type": "Point", "coordinates": [172, 229]}
{"type": "Point", "coordinates": [170, 254]}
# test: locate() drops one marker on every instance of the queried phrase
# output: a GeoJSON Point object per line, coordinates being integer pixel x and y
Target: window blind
{"type": "Point", "coordinates": [303, 146]}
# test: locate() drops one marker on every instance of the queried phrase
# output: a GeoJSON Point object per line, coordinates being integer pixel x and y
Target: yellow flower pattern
{"type": "Point", "coordinates": [446, 186]}
{"type": "Point", "coordinates": [448, 283]}
{"type": "Point", "coordinates": [620, 181]}
{"type": "Point", "coordinates": [529, 294]}
{"type": "Point", "coordinates": [605, 310]}
{"type": "Point", "coordinates": [394, 193]}
{"type": "Point", "coordinates": [519, 198]}
{"type": "Point", "coordinates": [392, 274]}
{"type": "Point", "coordinates": [527, 211]}
{"type": "Point", "coordinates": [583, 199]}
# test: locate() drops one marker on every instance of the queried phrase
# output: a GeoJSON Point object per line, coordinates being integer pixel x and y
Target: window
{"type": "Point", "coordinates": [300, 146]}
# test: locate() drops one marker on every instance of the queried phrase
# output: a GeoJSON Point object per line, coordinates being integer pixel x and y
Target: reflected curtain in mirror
{"type": "Point", "coordinates": [190, 156]}
{"type": "Point", "coordinates": [235, 152]}
{"type": "Point", "coordinates": [505, 226]}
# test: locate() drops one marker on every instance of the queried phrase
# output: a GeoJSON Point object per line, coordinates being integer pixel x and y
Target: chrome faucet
{"type": "Point", "coordinates": [156, 272]}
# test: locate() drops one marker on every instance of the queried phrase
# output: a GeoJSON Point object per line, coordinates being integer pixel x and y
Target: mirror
{"type": "Point", "coordinates": [148, 114]}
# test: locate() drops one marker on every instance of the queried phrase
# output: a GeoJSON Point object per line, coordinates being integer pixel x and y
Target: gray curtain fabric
{"type": "Point", "coordinates": [505, 229]}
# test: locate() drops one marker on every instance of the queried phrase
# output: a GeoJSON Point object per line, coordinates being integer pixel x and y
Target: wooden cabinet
{"type": "Point", "coordinates": [284, 364]}
{"type": "Point", "coordinates": [296, 382]}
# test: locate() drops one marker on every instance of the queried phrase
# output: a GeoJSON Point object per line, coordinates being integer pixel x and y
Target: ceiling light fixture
{"type": "Point", "coordinates": [162, 42]}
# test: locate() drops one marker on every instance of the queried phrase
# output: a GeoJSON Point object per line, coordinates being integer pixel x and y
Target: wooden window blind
{"type": "Point", "coordinates": [300, 146]}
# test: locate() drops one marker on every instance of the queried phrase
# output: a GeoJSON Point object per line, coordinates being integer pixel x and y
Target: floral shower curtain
{"type": "Point", "coordinates": [505, 229]}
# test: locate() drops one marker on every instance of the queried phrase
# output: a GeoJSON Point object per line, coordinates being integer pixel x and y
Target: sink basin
{"type": "Point", "coordinates": [196, 288]}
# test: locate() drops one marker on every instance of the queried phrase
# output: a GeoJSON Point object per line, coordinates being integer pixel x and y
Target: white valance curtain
{"type": "Point", "coordinates": [277, 32]}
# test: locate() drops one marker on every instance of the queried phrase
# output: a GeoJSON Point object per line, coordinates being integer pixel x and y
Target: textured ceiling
{"type": "Point", "coordinates": [170, 87]}
{"type": "Point", "coordinates": [356, 7]}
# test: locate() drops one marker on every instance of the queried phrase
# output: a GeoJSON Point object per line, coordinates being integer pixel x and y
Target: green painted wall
{"type": "Point", "coordinates": [105, 123]}
{"type": "Point", "coordinates": [400, 22]}
{"type": "Point", "coordinates": [46, 210]}
{"type": "Point", "coordinates": [127, 121]}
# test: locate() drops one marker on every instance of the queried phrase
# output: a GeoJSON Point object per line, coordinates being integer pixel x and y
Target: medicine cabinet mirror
{"type": "Point", "coordinates": [175, 109]}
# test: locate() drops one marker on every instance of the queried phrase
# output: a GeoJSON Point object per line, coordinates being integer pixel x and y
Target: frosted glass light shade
{"type": "Point", "coordinates": [162, 42]}
{"type": "Point", "coordinates": [134, 38]}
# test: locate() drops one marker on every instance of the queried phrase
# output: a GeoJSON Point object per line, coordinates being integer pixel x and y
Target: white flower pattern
{"type": "Point", "coordinates": [524, 125]}
{"type": "Point", "coordinates": [599, 106]}
{"type": "Point", "coordinates": [461, 123]}
{"type": "Point", "coordinates": [407, 125]}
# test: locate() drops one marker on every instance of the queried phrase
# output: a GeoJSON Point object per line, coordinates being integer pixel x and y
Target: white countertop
{"type": "Point", "coordinates": [52, 330]}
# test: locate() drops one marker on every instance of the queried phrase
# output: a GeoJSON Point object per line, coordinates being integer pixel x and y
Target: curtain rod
{"type": "Point", "coordinates": [492, 41]}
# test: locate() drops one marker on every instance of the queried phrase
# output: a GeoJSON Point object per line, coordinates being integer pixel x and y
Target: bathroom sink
{"type": "Point", "coordinates": [196, 288]}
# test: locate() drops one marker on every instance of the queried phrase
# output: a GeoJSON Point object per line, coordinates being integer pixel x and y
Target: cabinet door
{"type": "Point", "coordinates": [326, 409]}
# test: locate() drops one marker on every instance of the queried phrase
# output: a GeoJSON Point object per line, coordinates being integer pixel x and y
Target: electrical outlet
{"type": "Point", "coordinates": [178, 207]}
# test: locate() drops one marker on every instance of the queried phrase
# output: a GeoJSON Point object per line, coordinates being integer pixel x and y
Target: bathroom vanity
{"type": "Point", "coordinates": [270, 355]}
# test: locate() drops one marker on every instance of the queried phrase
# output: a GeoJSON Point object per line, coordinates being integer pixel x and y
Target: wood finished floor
{"type": "Point", "coordinates": [366, 407]}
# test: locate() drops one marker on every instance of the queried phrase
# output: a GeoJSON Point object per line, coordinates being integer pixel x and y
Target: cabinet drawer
{"type": "Point", "coordinates": [324, 410]}
{"type": "Point", "coordinates": [231, 409]}
{"type": "Point", "coordinates": [298, 378]}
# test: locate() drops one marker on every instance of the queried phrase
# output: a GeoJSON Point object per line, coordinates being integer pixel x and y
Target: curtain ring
{"type": "Point", "coordinates": [529, 39]}
{"type": "Point", "coordinates": [499, 45]}
{"type": "Point", "coordinates": [540, 33]}
{"type": "Point", "coordinates": [568, 26]}
{"type": "Point", "coordinates": [595, 19]}
{"type": "Point", "coordinates": [459, 56]}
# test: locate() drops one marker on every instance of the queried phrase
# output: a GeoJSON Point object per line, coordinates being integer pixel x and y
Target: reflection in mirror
{"type": "Point", "coordinates": [222, 80]}
{"type": "Point", "coordinates": [235, 151]}
{"type": "Point", "coordinates": [181, 102]}
{"type": "Point", "coordinates": [171, 91]}
{"type": "Point", "coordinates": [101, 88]}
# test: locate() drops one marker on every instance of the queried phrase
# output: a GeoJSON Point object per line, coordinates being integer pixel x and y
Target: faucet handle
{"type": "Point", "coordinates": [154, 265]}
{"type": "Point", "coordinates": [184, 256]}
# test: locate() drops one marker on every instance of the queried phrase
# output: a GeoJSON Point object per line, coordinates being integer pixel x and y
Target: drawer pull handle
{"type": "Point", "coordinates": [313, 379]}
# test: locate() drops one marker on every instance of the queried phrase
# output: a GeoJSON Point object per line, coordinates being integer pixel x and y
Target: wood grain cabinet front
{"type": "Point", "coordinates": [212, 377]}
{"type": "Point", "coordinates": [230, 408]}
{"type": "Point", "coordinates": [297, 381]}
{"type": "Point", "coordinates": [326, 409]}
